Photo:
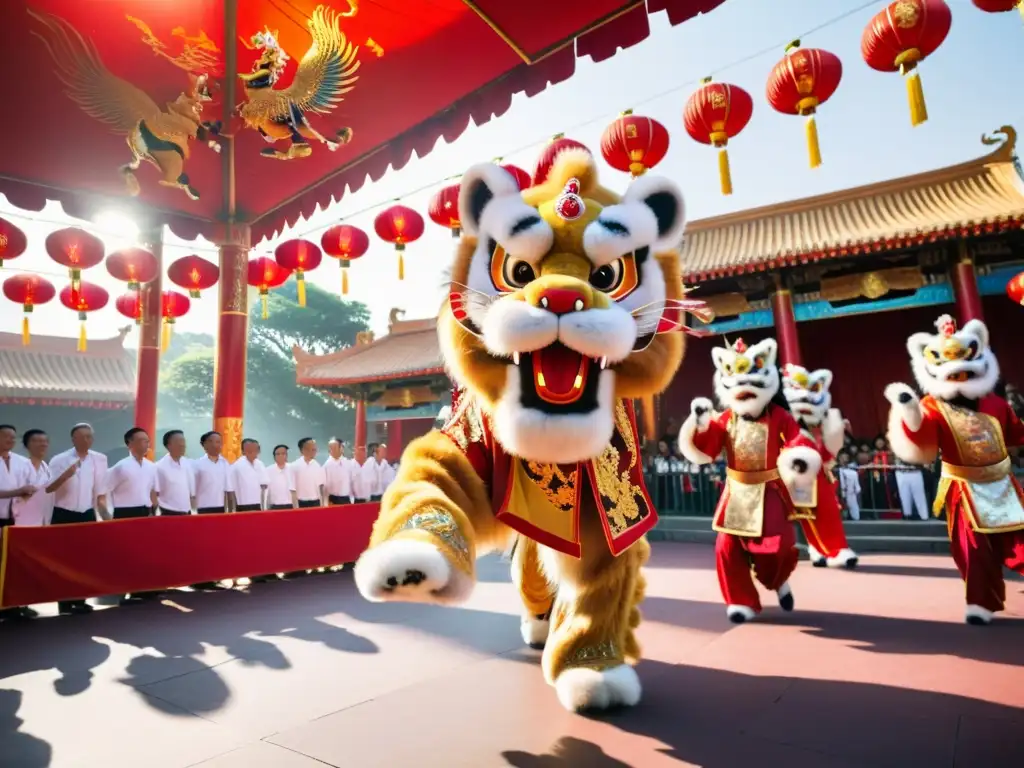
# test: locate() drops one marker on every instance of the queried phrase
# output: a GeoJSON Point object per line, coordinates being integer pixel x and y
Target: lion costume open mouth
{"type": "Point", "coordinates": [558, 379]}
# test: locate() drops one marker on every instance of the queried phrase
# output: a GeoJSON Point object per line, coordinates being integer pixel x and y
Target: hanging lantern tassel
{"type": "Point", "coordinates": [300, 287]}
{"type": "Point", "coordinates": [344, 277]}
{"type": "Point", "coordinates": [813, 148]}
{"type": "Point", "coordinates": [400, 247]}
{"type": "Point", "coordinates": [82, 341]}
{"type": "Point", "coordinates": [26, 337]}
{"type": "Point", "coordinates": [165, 337]}
{"type": "Point", "coordinates": [193, 293]}
{"type": "Point", "coordinates": [724, 173]}
{"type": "Point", "coordinates": [907, 62]}
{"type": "Point", "coordinates": [264, 311]}
{"type": "Point", "coordinates": [76, 279]}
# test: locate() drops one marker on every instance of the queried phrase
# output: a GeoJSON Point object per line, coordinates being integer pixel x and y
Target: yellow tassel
{"type": "Point", "coordinates": [915, 95]}
{"type": "Point", "coordinates": [813, 148]}
{"type": "Point", "coordinates": [344, 282]}
{"type": "Point", "coordinates": [26, 337]}
{"type": "Point", "coordinates": [724, 174]}
{"type": "Point", "coordinates": [401, 266]}
{"type": "Point", "coordinates": [165, 337]}
{"type": "Point", "coordinates": [301, 290]}
{"type": "Point", "coordinates": [264, 312]}
{"type": "Point", "coordinates": [82, 343]}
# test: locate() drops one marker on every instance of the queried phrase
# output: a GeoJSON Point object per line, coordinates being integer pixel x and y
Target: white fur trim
{"type": "Point", "coordinates": [833, 431]}
{"type": "Point", "coordinates": [789, 473]}
{"type": "Point", "coordinates": [692, 426]}
{"type": "Point", "coordinates": [740, 610]}
{"type": "Point", "coordinates": [910, 411]}
{"type": "Point", "coordinates": [784, 591]}
{"type": "Point", "coordinates": [905, 448]}
{"type": "Point", "coordinates": [582, 688]}
{"type": "Point", "coordinates": [842, 558]}
{"type": "Point", "coordinates": [500, 183]}
{"type": "Point", "coordinates": [603, 245]}
{"type": "Point", "coordinates": [815, 555]}
{"type": "Point", "coordinates": [554, 438]}
{"type": "Point", "coordinates": [515, 326]}
{"type": "Point", "coordinates": [670, 233]}
{"type": "Point", "coordinates": [534, 631]}
{"type": "Point", "coordinates": [977, 612]}
{"type": "Point", "coordinates": [392, 559]}
{"type": "Point", "coordinates": [599, 333]}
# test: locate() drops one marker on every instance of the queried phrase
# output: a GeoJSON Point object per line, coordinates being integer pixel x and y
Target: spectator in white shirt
{"type": "Point", "coordinates": [37, 508]}
{"type": "Point", "coordinates": [13, 488]}
{"type": "Point", "coordinates": [309, 476]}
{"type": "Point", "coordinates": [212, 475]}
{"type": "Point", "coordinates": [280, 481]}
{"type": "Point", "coordinates": [249, 478]}
{"type": "Point", "coordinates": [79, 476]}
{"type": "Point", "coordinates": [132, 482]}
{"type": "Point", "coordinates": [360, 487]}
{"type": "Point", "coordinates": [175, 481]}
{"type": "Point", "coordinates": [377, 473]}
{"type": "Point", "coordinates": [339, 471]}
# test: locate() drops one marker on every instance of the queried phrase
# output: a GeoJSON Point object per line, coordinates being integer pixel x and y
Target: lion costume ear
{"type": "Point", "coordinates": [665, 201]}
{"type": "Point", "coordinates": [979, 330]}
{"type": "Point", "coordinates": [480, 185]}
{"type": "Point", "coordinates": [822, 376]}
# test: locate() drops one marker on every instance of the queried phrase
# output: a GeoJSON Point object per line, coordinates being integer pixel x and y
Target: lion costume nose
{"type": "Point", "coordinates": [953, 350]}
{"type": "Point", "coordinates": [562, 301]}
{"type": "Point", "coordinates": [742, 365]}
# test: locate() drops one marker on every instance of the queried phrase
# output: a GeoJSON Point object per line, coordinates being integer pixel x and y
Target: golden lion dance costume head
{"type": "Point", "coordinates": [566, 303]}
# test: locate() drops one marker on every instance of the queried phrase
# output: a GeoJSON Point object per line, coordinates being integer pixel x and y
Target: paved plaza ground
{"type": "Point", "coordinates": [874, 669]}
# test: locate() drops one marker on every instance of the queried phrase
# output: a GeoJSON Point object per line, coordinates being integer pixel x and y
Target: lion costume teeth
{"type": "Point", "coordinates": [556, 321]}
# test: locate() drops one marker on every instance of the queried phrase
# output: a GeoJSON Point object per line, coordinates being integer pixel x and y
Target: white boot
{"type": "Point", "coordinates": [738, 614]}
{"type": "Point", "coordinates": [844, 558]}
{"type": "Point", "coordinates": [977, 615]}
{"type": "Point", "coordinates": [785, 593]}
{"type": "Point", "coordinates": [818, 560]}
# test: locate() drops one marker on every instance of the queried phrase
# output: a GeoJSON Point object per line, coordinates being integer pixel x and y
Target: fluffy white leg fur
{"type": "Point", "coordinates": [975, 614]}
{"type": "Point", "coordinates": [739, 613]}
{"type": "Point", "coordinates": [815, 555]}
{"type": "Point", "coordinates": [382, 574]}
{"type": "Point", "coordinates": [787, 465]}
{"type": "Point", "coordinates": [580, 688]}
{"type": "Point", "coordinates": [844, 558]}
{"type": "Point", "coordinates": [534, 631]}
{"type": "Point", "coordinates": [692, 426]}
{"type": "Point", "coordinates": [833, 431]}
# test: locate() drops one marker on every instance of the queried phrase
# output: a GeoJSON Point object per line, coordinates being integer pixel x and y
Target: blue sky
{"type": "Point", "coordinates": [973, 85]}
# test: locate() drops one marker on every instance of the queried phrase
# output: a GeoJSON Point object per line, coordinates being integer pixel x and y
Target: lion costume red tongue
{"type": "Point", "coordinates": [559, 374]}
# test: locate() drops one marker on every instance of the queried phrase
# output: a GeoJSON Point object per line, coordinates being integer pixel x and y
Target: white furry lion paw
{"type": "Point", "coordinates": [799, 465]}
{"type": "Point", "coordinates": [582, 689]}
{"type": "Point", "coordinates": [535, 631]}
{"type": "Point", "coordinates": [700, 410]}
{"type": "Point", "coordinates": [405, 570]}
{"type": "Point", "coordinates": [904, 400]}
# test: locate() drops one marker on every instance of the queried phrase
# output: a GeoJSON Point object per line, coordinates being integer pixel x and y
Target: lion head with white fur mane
{"type": "Point", "coordinates": [746, 378]}
{"type": "Point", "coordinates": [562, 295]}
{"type": "Point", "coordinates": [807, 393]}
{"type": "Point", "coordinates": [954, 363]}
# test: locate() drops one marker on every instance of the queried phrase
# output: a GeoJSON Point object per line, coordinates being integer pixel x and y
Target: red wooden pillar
{"type": "Point", "coordinates": [396, 439]}
{"type": "Point", "coordinates": [360, 440]}
{"type": "Point", "coordinates": [148, 370]}
{"type": "Point", "coordinates": [785, 328]}
{"type": "Point", "coordinates": [232, 340]}
{"type": "Point", "coordinates": [965, 287]}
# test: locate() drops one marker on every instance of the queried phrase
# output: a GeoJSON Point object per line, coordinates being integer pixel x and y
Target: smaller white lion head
{"type": "Point", "coordinates": [807, 393]}
{"type": "Point", "coordinates": [746, 378]}
{"type": "Point", "coordinates": [954, 363]}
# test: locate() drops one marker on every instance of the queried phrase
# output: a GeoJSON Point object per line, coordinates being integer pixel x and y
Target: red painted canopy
{"type": "Point", "coordinates": [95, 81]}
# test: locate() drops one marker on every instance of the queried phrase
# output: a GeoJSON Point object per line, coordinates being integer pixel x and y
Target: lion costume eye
{"type": "Point", "coordinates": [932, 355]}
{"type": "Point", "coordinates": [509, 274]}
{"type": "Point", "coordinates": [618, 278]}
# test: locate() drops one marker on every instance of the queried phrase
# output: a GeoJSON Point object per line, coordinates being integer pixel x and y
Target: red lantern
{"type": "Point", "coordinates": [28, 290]}
{"type": "Point", "coordinates": [134, 266]}
{"type": "Point", "coordinates": [900, 37]}
{"type": "Point", "coordinates": [1000, 6]}
{"type": "Point", "coordinates": [264, 274]}
{"type": "Point", "coordinates": [555, 147]}
{"type": "Point", "coordinates": [715, 113]}
{"type": "Point", "coordinates": [172, 306]}
{"type": "Point", "coordinates": [346, 244]}
{"type": "Point", "coordinates": [194, 274]}
{"type": "Point", "coordinates": [75, 249]}
{"type": "Point", "coordinates": [1014, 289]}
{"type": "Point", "coordinates": [522, 177]}
{"type": "Point", "coordinates": [130, 305]}
{"type": "Point", "coordinates": [634, 144]}
{"type": "Point", "coordinates": [399, 225]}
{"type": "Point", "coordinates": [12, 241]}
{"type": "Point", "coordinates": [804, 80]}
{"type": "Point", "coordinates": [444, 209]}
{"type": "Point", "coordinates": [83, 298]}
{"type": "Point", "coordinates": [299, 256]}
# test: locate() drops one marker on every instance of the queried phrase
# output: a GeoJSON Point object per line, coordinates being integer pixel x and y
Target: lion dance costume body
{"type": "Point", "coordinates": [810, 401]}
{"type": "Point", "coordinates": [542, 334]}
{"type": "Point", "coordinates": [766, 451]}
{"type": "Point", "coordinates": [961, 418]}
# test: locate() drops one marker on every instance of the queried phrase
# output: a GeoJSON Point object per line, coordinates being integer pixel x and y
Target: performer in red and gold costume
{"type": "Point", "coordinates": [765, 452]}
{"type": "Point", "coordinates": [961, 418]}
{"type": "Point", "coordinates": [561, 312]}
{"type": "Point", "coordinates": [810, 399]}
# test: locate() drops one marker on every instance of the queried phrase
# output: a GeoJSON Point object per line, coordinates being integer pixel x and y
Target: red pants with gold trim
{"type": "Point", "coordinates": [825, 532]}
{"type": "Point", "coordinates": [771, 557]}
{"type": "Point", "coordinates": [980, 558]}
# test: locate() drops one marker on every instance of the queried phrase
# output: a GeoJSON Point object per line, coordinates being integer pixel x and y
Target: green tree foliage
{"type": "Point", "coordinates": [276, 408]}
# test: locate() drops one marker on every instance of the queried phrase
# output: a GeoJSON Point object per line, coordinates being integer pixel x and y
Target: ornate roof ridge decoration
{"type": "Point", "coordinates": [977, 197]}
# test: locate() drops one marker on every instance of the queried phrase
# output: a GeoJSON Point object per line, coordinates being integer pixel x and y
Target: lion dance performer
{"type": "Point", "coordinates": [810, 400]}
{"type": "Point", "coordinates": [561, 300]}
{"type": "Point", "coordinates": [961, 418]}
{"type": "Point", "coordinates": [765, 452]}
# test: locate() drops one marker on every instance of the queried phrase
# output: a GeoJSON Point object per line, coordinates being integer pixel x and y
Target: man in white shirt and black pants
{"type": "Point", "coordinates": [212, 474]}
{"type": "Point", "coordinates": [280, 481]}
{"type": "Point", "coordinates": [80, 474]}
{"type": "Point", "coordinates": [12, 486]}
{"type": "Point", "coordinates": [338, 470]}
{"type": "Point", "coordinates": [132, 484]}
{"type": "Point", "coordinates": [377, 473]}
{"type": "Point", "coordinates": [310, 477]}
{"type": "Point", "coordinates": [176, 487]}
{"type": "Point", "coordinates": [249, 478]}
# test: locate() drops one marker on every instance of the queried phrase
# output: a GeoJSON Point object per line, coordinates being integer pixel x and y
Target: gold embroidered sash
{"type": "Point", "coordinates": [744, 509]}
{"type": "Point", "coordinates": [993, 500]}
